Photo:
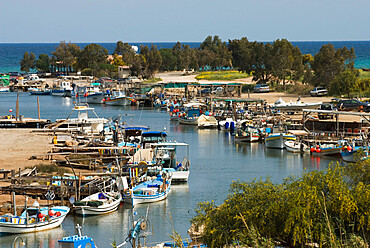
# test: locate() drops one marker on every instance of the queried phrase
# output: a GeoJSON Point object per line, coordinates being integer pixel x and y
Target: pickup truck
{"type": "Point", "coordinates": [319, 91]}
{"type": "Point", "coordinates": [33, 79]}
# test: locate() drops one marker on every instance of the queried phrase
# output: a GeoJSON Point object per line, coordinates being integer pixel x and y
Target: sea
{"type": "Point", "coordinates": [216, 161]}
{"type": "Point", "coordinates": [12, 53]}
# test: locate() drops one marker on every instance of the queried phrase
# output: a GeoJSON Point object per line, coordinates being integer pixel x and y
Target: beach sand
{"type": "Point", "coordinates": [18, 145]}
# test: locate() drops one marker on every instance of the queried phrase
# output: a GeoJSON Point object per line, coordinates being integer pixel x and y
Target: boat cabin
{"type": "Point", "coordinates": [76, 241]}
{"type": "Point", "coordinates": [149, 138]}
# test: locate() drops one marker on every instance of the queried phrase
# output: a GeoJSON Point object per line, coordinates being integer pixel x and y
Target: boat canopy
{"type": "Point", "coordinates": [135, 127]}
{"type": "Point", "coordinates": [154, 134]}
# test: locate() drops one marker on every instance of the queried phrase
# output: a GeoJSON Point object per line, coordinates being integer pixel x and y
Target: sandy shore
{"type": "Point", "coordinates": [18, 145]}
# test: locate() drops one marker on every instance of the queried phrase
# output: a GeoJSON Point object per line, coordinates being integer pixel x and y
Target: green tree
{"type": "Point", "coordinates": [65, 55]}
{"type": "Point", "coordinates": [241, 54]}
{"type": "Point", "coordinates": [329, 62]}
{"type": "Point", "coordinates": [219, 55]}
{"type": "Point", "coordinates": [43, 63]}
{"type": "Point", "coordinates": [154, 61]}
{"type": "Point", "coordinates": [28, 62]}
{"type": "Point", "coordinates": [127, 52]}
{"type": "Point", "coordinates": [92, 56]}
{"type": "Point", "coordinates": [168, 60]}
{"type": "Point", "coordinates": [345, 82]}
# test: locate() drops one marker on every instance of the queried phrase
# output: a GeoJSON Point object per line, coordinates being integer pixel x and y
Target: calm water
{"type": "Point", "coordinates": [216, 161]}
{"type": "Point", "coordinates": [12, 53]}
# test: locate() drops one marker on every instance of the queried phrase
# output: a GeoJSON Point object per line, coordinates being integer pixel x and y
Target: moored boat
{"type": "Point", "coordinates": [276, 140]}
{"type": "Point", "coordinates": [352, 154]}
{"type": "Point", "coordinates": [63, 89]}
{"type": "Point", "coordinates": [190, 117]}
{"type": "Point", "coordinates": [34, 219]}
{"type": "Point", "coordinates": [296, 147]}
{"type": "Point", "coordinates": [206, 121]}
{"type": "Point", "coordinates": [118, 98]}
{"type": "Point", "coordinates": [152, 190]}
{"type": "Point", "coordinates": [98, 203]}
{"type": "Point", "coordinates": [326, 150]}
{"type": "Point", "coordinates": [38, 91]}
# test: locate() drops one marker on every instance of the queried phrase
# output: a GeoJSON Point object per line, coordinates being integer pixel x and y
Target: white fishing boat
{"type": "Point", "coordinates": [190, 117]}
{"type": "Point", "coordinates": [296, 147]}
{"type": "Point", "coordinates": [4, 88]}
{"type": "Point", "coordinates": [34, 219]}
{"type": "Point", "coordinates": [118, 98]}
{"type": "Point", "coordinates": [277, 140]}
{"type": "Point", "coordinates": [152, 190]}
{"type": "Point", "coordinates": [165, 155]}
{"type": "Point", "coordinates": [83, 123]}
{"type": "Point", "coordinates": [298, 105]}
{"type": "Point", "coordinates": [206, 121]}
{"type": "Point", "coordinates": [91, 94]}
{"type": "Point", "coordinates": [63, 88]}
{"type": "Point", "coordinates": [98, 203]}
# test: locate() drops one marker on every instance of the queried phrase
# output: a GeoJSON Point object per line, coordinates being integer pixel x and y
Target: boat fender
{"type": "Point", "coordinates": [227, 125]}
{"type": "Point", "coordinates": [349, 148]}
{"type": "Point", "coordinates": [313, 149]}
{"type": "Point", "coordinates": [232, 125]}
{"type": "Point", "coordinates": [318, 150]}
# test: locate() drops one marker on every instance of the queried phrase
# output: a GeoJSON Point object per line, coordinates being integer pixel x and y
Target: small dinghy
{"type": "Point", "coordinates": [296, 147]}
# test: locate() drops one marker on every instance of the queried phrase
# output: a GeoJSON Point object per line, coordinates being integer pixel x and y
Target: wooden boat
{"type": "Point", "coordinates": [77, 240]}
{"type": "Point", "coordinates": [247, 135]}
{"type": "Point", "coordinates": [296, 147]}
{"type": "Point", "coordinates": [326, 150]}
{"type": "Point", "coordinates": [98, 203]}
{"type": "Point", "coordinates": [152, 190]}
{"type": "Point", "coordinates": [118, 98]}
{"type": "Point", "coordinates": [34, 219]}
{"type": "Point", "coordinates": [91, 94]}
{"type": "Point", "coordinates": [276, 140]}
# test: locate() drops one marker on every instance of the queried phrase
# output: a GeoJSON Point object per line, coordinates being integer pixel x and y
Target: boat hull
{"type": "Point", "coordinates": [277, 141]}
{"type": "Point", "coordinates": [296, 147]}
{"type": "Point", "coordinates": [94, 99]}
{"type": "Point", "coordinates": [61, 93]}
{"type": "Point", "coordinates": [122, 101]}
{"type": "Point", "coordinates": [7, 227]}
{"type": "Point", "coordinates": [188, 121]}
{"type": "Point", "coordinates": [327, 152]}
{"type": "Point", "coordinates": [107, 206]}
{"type": "Point", "coordinates": [142, 199]}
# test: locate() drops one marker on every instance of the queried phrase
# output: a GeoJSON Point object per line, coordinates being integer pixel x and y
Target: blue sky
{"type": "Point", "coordinates": [178, 20]}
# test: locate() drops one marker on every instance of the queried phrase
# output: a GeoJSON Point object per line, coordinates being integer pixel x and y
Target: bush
{"type": "Point", "coordinates": [221, 75]}
{"type": "Point", "coordinates": [87, 72]}
{"type": "Point", "coordinates": [320, 207]}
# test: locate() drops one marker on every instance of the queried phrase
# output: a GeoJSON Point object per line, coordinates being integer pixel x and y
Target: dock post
{"type": "Point", "coordinates": [14, 204]}
{"type": "Point", "coordinates": [337, 126]}
{"type": "Point", "coordinates": [38, 108]}
{"type": "Point", "coordinates": [17, 108]}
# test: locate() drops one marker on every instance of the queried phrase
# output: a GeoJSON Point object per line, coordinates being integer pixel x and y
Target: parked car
{"type": "Point", "coordinates": [259, 88]}
{"type": "Point", "coordinates": [205, 91]}
{"type": "Point", "coordinates": [319, 91]}
{"type": "Point", "coordinates": [353, 104]}
{"type": "Point", "coordinates": [326, 106]}
{"type": "Point", "coordinates": [218, 90]}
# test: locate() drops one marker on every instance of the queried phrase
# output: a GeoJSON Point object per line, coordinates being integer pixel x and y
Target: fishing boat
{"type": "Point", "coordinates": [247, 136]}
{"type": "Point", "coordinates": [207, 121]}
{"type": "Point", "coordinates": [118, 98]}
{"type": "Point", "coordinates": [355, 152]}
{"type": "Point", "coordinates": [152, 190]}
{"type": "Point", "coordinates": [190, 117]}
{"type": "Point", "coordinates": [326, 150]}
{"type": "Point", "coordinates": [63, 89]}
{"type": "Point", "coordinates": [165, 155]}
{"type": "Point", "coordinates": [98, 203]}
{"type": "Point", "coordinates": [276, 140]}
{"type": "Point", "coordinates": [296, 147]}
{"type": "Point", "coordinates": [76, 241]}
{"type": "Point", "coordinates": [34, 219]}
{"type": "Point", "coordinates": [91, 94]}
{"type": "Point", "coordinates": [83, 123]}
{"type": "Point", "coordinates": [38, 91]}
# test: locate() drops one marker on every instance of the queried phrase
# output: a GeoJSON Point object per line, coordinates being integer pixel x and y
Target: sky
{"type": "Point", "coordinates": [44, 21]}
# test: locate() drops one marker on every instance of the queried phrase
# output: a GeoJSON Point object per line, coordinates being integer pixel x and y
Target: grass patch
{"type": "Point", "coordinates": [153, 80]}
{"type": "Point", "coordinates": [364, 74]}
{"type": "Point", "coordinates": [222, 75]}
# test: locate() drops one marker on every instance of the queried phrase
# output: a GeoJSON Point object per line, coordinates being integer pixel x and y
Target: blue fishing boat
{"type": "Point", "coordinates": [152, 190]}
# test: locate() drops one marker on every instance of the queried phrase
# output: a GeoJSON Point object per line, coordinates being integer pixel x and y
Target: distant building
{"type": "Point", "coordinates": [124, 71]}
